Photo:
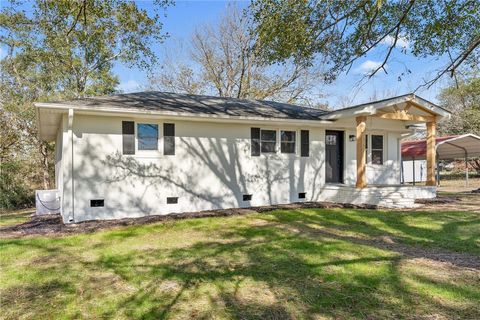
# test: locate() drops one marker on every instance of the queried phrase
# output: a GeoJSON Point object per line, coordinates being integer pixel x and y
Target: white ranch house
{"type": "Point", "coordinates": [149, 153]}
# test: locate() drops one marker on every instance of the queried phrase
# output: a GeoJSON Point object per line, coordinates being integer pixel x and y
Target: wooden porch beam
{"type": "Point", "coordinates": [431, 128]}
{"type": "Point", "coordinates": [416, 105]}
{"type": "Point", "coordinates": [361, 155]}
{"type": "Point", "coordinates": [404, 116]}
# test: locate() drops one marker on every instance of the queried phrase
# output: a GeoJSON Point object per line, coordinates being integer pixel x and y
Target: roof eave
{"type": "Point", "coordinates": [369, 109]}
{"type": "Point", "coordinates": [134, 112]}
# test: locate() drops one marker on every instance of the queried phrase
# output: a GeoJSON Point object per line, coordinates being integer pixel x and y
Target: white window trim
{"type": "Point", "coordinates": [369, 149]}
{"type": "Point", "coordinates": [276, 141]}
{"type": "Point", "coordinates": [278, 151]}
{"type": "Point", "coordinates": [280, 142]}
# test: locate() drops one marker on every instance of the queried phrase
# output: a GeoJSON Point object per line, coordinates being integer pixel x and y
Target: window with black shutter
{"type": "Point", "coordinates": [305, 143]}
{"type": "Point", "coordinates": [255, 141]}
{"type": "Point", "coordinates": [169, 139]}
{"type": "Point", "coordinates": [128, 137]}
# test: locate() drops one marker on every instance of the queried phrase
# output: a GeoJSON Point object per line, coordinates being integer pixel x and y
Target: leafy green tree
{"type": "Point", "coordinates": [462, 98]}
{"type": "Point", "coordinates": [63, 49]}
{"type": "Point", "coordinates": [343, 31]}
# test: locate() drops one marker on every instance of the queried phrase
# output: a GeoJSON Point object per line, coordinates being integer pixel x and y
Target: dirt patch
{"type": "Point", "coordinates": [52, 225]}
{"type": "Point", "coordinates": [438, 200]}
{"type": "Point", "coordinates": [465, 201]}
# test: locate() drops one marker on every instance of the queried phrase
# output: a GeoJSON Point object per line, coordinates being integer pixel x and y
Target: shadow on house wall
{"type": "Point", "coordinates": [206, 173]}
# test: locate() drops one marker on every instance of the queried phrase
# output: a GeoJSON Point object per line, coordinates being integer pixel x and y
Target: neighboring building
{"type": "Point", "coordinates": [147, 153]}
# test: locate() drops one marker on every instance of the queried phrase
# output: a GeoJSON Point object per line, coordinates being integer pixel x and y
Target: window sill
{"type": "Point", "coordinates": [143, 154]}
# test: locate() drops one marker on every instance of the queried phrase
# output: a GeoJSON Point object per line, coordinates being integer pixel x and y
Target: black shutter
{"type": "Point", "coordinates": [169, 139]}
{"type": "Point", "coordinates": [255, 141]}
{"type": "Point", "coordinates": [305, 143]}
{"type": "Point", "coordinates": [128, 136]}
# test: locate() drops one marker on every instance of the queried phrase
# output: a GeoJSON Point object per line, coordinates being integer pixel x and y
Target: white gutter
{"type": "Point", "coordinates": [129, 112]}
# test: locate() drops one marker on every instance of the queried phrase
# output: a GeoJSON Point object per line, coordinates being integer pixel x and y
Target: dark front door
{"type": "Point", "coordinates": [334, 156]}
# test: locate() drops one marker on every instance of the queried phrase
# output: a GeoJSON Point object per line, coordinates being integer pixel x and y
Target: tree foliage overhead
{"type": "Point", "coordinates": [343, 31]}
{"type": "Point", "coordinates": [222, 61]}
{"type": "Point", "coordinates": [63, 49]}
{"type": "Point", "coordinates": [70, 45]}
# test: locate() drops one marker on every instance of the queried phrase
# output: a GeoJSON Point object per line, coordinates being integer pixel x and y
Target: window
{"type": "Point", "coordinates": [147, 135]}
{"type": "Point", "coordinates": [366, 147]}
{"type": "Point", "coordinates": [268, 141]}
{"type": "Point", "coordinates": [377, 149]}
{"type": "Point", "coordinates": [331, 140]}
{"type": "Point", "coordinates": [287, 141]}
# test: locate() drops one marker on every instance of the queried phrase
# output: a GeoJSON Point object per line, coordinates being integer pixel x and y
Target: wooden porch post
{"type": "Point", "coordinates": [431, 126]}
{"type": "Point", "coordinates": [361, 156]}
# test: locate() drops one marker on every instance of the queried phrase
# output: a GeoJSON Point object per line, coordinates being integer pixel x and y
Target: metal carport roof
{"type": "Point", "coordinates": [450, 147]}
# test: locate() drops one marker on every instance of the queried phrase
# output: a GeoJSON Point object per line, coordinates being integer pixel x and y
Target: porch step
{"type": "Point", "coordinates": [387, 196]}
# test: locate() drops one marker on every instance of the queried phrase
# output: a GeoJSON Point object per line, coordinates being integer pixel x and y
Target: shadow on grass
{"type": "Point", "coordinates": [292, 264]}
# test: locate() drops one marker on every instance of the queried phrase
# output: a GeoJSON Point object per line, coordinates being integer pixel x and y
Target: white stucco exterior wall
{"type": "Point", "coordinates": [212, 168]}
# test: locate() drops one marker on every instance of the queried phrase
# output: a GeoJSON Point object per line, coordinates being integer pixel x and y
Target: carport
{"type": "Point", "coordinates": [447, 148]}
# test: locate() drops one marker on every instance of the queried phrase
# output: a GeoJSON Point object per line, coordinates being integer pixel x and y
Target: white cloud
{"type": "Point", "coordinates": [402, 42]}
{"type": "Point", "coordinates": [129, 86]}
{"type": "Point", "coordinates": [368, 67]}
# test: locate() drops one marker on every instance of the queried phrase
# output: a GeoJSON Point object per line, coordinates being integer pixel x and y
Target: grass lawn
{"type": "Point", "coordinates": [15, 217]}
{"type": "Point", "coordinates": [283, 264]}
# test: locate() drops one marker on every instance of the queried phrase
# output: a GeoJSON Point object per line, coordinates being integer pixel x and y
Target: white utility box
{"type": "Point", "coordinates": [47, 201]}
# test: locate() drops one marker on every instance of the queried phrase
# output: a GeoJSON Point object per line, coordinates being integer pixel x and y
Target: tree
{"type": "Point", "coordinates": [65, 49]}
{"type": "Point", "coordinates": [222, 61]}
{"type": "Point", "coordinates": [344, 31]}
{"type": "Point", "coordinates": [462, 99]}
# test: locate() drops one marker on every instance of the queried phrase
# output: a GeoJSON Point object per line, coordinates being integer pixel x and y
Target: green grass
{"type": "Point", "coordinates": [309, 263]}
{"type": "Point", "coordinates": [14, 217]}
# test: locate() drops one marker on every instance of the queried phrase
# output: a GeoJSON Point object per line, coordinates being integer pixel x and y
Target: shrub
{"type": "Point", "coordinates": [13, 191]}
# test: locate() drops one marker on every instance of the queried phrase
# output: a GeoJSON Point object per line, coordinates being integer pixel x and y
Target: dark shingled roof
{"type": "Point", "coordinates": [198, 104]}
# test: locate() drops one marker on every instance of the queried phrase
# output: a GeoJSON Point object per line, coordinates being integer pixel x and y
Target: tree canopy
{"type": "Point", "coordinates": [64, 49]}
{"type": "Point", "coordinates": [343, 31]}
{"type": "Point", "coordinates": [222, 61]}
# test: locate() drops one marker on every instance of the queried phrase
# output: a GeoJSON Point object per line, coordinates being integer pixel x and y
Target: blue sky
{"type": "Point", "coordinates": [185, 16]}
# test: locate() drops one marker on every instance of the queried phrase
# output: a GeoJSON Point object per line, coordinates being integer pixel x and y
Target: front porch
{"type": "Point", "coordinates": [389, 196]}
{"type": "Point", "coordinates": [401, 114]}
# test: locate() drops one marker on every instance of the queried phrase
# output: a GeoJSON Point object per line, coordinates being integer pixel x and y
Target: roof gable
{"type": "Point", "coordinates": [421, 107]}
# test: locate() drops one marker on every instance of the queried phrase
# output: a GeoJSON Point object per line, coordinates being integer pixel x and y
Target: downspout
{"type": "Point", "coordinates": [70, 133]}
